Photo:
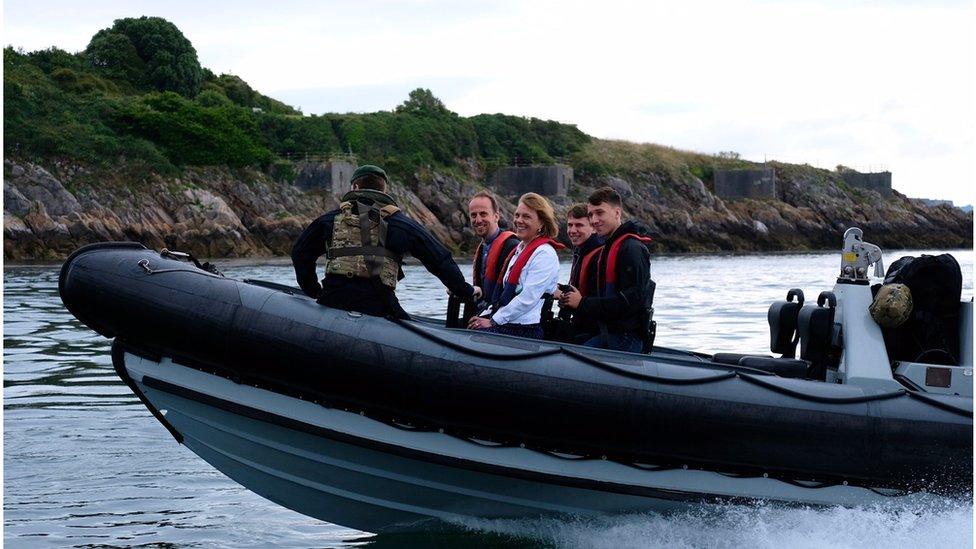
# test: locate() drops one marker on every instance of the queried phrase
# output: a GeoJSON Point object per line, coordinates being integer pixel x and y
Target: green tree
{"type": "Point", "coordinates": [422, 101]}
{"type": "Point", "coordinates": [148, 52]}
{"type": "Point", "coordinates": [238, 91]}
{"type": "Point", "coordinates": [191, 134]}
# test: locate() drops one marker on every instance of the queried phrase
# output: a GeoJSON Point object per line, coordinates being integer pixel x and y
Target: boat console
{"type": "Point", "coordinates": [839, 341]}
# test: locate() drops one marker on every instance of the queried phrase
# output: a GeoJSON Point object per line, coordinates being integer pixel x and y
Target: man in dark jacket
{"type": "Point", "coordinates": [624, 286]}
{"type": "Point", "coordinates": [365, 240]}
{"type": "Point", "coordinates": [577, 326]}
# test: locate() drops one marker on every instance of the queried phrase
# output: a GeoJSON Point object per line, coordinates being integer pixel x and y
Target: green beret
{"type": "Point", "coordinates": [368, 169]}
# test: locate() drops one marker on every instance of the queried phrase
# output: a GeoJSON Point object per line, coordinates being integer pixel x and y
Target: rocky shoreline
{"type": "Point", "coordinates": [51, 210]}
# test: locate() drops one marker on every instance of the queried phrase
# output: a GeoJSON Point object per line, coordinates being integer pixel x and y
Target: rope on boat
{"type": "Point", "coordinates": [940, 404]}
{"type": "Point", "coordinates": [822, 399]}
{"type": "Point", "coordinates": [748, 376]}
{"type": "Point", "coordinates": [561, 350]}
{"type": "Point", "coordinates": [811, 484]}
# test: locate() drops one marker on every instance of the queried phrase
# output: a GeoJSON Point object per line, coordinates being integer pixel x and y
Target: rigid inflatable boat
{"type": "Point", "coordinates": [383, 425]}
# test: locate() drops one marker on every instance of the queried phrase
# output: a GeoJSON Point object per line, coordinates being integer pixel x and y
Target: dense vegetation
{"type": "Point", "coordinates": [138, 94]}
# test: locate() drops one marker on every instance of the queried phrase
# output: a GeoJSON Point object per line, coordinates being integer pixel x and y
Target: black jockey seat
{"type": "Point", "coordinates": [782, 317]}
{"type": "Point", "coordinates": [783, 322]}
{"type": "Point", "coordinates": [815, 327]}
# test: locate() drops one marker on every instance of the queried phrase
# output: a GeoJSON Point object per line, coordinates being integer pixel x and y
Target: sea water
{"type": "Point", "coordinates": [86, 465]}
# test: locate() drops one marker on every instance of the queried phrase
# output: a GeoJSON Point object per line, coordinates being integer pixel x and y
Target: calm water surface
{"type": "Point", "coordinates": [86, 465]}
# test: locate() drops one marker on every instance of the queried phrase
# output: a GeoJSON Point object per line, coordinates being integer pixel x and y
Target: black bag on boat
{"type": "Point", "coordinates": [931, 333]}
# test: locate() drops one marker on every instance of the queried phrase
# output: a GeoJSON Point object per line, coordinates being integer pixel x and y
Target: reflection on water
{"type": "Point", "coordinates": [85, 464]}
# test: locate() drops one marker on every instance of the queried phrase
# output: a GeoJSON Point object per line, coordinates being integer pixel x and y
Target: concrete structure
{"type": "Point", "coordinates": [879, 182]}
{"type": "Point", "coordinates": [732, 184]}
{"type": "Point", "coordinates": [545, 180]}
{"type": "Point", "coordinates": [333, 175]}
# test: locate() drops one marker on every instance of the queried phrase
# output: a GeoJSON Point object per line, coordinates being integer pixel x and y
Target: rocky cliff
{"type": "Point", "coordinates": [217, 212]}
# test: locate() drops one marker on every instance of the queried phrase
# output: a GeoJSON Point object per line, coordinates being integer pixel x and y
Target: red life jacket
{"type": "Point", "coordinates": [492, 272]}
{"type": "Point", "coordinates": [510, 287]}
{"type": "Point", "coordinates": [583, 282]}
{"type": "Point", "coordinates": [607, 272]}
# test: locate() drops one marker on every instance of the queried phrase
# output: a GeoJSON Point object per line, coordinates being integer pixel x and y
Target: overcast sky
{"type": "Point", "coordinates": [872, 85]}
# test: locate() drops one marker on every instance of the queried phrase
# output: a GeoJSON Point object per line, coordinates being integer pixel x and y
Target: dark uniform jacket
{"type": "Point", "coordinates": [622, 310]}
{"type": "Point", "coordinates": [582, 326]}
{"type": "Point", "coordinates": [404, 236]}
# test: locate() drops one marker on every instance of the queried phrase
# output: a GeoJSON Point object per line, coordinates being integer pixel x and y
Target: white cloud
{"type": "Point", "coordinates": [826, 83]}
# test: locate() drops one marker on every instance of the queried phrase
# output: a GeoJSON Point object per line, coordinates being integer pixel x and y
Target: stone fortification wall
{"type": "Point", "coordinates": [333, 176]}
{"type": "Point", "coordinates": [879, 181]}
{"type": "Point", "coordinates": [732, 184]}
{"type": "Point", "coordinates": [545, 180]}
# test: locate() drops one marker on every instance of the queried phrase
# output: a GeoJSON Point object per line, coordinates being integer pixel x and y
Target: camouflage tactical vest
{"type": "Point", "coordinates": [358, 244]}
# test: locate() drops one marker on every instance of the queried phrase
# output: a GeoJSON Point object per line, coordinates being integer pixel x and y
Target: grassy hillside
{"type": "Point", "coordinates": [137, 95]}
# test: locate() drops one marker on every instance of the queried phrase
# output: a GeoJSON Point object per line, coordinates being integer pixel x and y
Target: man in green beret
{"type": "Point", "coordinates": [364, 242]}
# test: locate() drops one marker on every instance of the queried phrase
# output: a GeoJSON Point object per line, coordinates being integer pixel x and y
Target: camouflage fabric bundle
{"type": "Point", "coordinates": [892, 306]}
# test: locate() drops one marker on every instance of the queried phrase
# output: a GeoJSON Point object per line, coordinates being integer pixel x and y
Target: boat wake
{"type": "Point", "coordinates": [932, 524]}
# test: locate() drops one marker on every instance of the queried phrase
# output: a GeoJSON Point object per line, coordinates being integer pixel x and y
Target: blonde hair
{"type": "Point", "coordinates": [543, 209]}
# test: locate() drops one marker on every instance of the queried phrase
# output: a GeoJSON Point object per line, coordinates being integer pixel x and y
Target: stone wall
{"type": "Point", "coordinates": [334, 176]}
{"type": "Point", "coordinates": [732, 184]}
{"type": "Point", "coordinates": [546, 180]}
{"type": "Point", "coordinates": [878, 182]}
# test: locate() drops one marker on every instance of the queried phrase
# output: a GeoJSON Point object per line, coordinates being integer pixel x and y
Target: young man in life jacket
{"type": "Point", "coordinates": [364, 242]}
{"type": "Point", "coordinates": [575, 326]}
{"type": "Point", "coordinates": [495, 246]}
{"type": "Point", "coordinates": [622, 299]}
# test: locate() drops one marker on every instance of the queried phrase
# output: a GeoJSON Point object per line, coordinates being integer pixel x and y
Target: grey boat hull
{"type": "Point", "coordinates": [348, 469]}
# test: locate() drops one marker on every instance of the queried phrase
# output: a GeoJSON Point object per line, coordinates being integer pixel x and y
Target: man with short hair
{"type": "Point", "coordinates": [364, 241]}
{"type": "Point", "coordinates": [495, 246]}
{"type": "Point", "coordinates": [576, 326]}
{"type": "Point", "coordinates": [625, 291]}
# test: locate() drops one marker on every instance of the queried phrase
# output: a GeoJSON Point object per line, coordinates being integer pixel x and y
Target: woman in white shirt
{"type": "Point", "coordinates": [531, 271]}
